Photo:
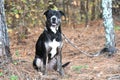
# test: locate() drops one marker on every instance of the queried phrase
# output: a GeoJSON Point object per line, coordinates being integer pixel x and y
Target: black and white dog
{"type": "Point", "coordinates": [49, 45]}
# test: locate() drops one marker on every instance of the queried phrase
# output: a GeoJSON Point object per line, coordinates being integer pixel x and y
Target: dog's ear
{"type": "Point", "coordinates": [62, 13]}
{"type": "Point", "coordinates": [46, 12]}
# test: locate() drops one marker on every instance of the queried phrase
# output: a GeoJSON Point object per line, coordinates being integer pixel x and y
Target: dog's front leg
{"type": "Point", "coordinates": [45, 60]}
{"type": "Point", "coordinates": [44, 71]}
{"type": "Point", "coordinates": [59, 62]}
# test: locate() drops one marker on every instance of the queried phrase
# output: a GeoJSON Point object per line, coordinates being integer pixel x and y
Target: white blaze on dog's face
{"type": "Point", "coordinates": [54, 23]}
{"type": "Point", "coordinates": [53, 19]}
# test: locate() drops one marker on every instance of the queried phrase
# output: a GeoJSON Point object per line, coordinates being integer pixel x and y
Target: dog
{"type": "Point", "coordinates": [49, 45]}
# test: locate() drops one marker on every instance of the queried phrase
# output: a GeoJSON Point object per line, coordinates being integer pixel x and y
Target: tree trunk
{"type": "Point", "coordinates": [4, 40]}
{"type": "Point", "coordinates": [108, 25]}
{"type": "Point", "coordinates": [82, 9]}
{"type": "Point", "coordinates": [93, 10]}
{"type": "Point", "coordinates": [86, 14]}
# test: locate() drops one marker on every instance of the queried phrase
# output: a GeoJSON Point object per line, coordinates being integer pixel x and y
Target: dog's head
{"type": "Point", "coordinates": [53, 19]}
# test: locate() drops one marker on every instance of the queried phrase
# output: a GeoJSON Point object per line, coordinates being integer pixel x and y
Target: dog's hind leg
{"type": "Point", "coordinates": [38, 64]}
{"type": "Point", "coordinates": [59, 62]}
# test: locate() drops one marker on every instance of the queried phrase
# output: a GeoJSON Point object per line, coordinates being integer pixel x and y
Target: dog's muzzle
{"type": "Point", "coordinates": [54, 21]}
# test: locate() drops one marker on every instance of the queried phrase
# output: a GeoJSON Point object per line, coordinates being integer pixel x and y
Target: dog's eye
{"type": "Point", "coordinates": [50, 14]}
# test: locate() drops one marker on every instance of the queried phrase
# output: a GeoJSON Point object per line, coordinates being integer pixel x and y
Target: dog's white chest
{"type": "Point", "coordinates": [54, 45]}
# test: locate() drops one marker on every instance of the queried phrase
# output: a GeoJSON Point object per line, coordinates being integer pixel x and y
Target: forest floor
{"type": "Point", "coordinates": [90, 39]}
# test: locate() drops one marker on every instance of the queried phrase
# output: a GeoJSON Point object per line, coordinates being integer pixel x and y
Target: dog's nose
{"type": "Point", "coordinates": [53, 20]}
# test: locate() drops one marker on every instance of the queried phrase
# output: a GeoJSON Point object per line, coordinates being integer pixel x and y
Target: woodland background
{"type": "Point", "coordinates": [29, 12]}
{"type": "Point", "coordinates": [82, 25]}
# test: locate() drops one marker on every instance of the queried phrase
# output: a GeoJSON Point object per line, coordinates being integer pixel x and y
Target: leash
{"type": "Point", "coordinates": [76, 47]}
{"type": "Point", "coordinates": [87, 54]}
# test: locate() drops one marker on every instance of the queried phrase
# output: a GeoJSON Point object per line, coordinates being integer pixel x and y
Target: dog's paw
{"type": "Point", "coordinates": [61, 72]}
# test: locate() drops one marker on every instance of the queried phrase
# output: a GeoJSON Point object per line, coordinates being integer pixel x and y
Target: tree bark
{"type": "Point", "coordinates": [4, 40]}
{"type": "Point", "coordinates": [93, 10]}
{"type": "Point", "coordinates": [108, 25]}
{"type": "Point", "coordinates": [86, 14]}
{"type": "Point", "coordinates": [82, 9]}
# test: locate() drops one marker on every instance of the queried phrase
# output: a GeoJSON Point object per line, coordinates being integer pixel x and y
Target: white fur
{"type": "Point", "coordinates": [54, 29]}
{"type": "Point", "coordinates": [39, 63]}
{"type": "Point", "coordinates": [53, 44]}
{"type": "Point", "coordinates": [55, 18]}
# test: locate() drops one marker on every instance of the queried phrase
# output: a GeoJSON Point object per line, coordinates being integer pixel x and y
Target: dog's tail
{"type": "Point", "coordinates": [66, 64]}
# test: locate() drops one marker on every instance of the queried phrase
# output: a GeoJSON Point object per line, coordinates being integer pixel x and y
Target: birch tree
{"type": "Point", "coordinates": [4, 40]}
{"type": "Point", "coordinates": [109, 28]}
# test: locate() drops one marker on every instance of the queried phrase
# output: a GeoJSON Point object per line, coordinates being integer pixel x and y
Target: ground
{"type": "Point", "coordinates": [89, 39]}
